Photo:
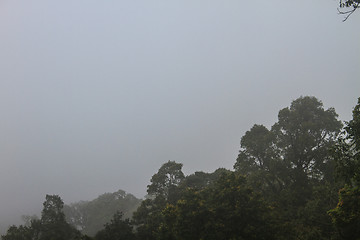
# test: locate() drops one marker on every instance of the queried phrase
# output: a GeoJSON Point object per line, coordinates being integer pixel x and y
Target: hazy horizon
{"type": "Point", "coordinates": [96, 96]}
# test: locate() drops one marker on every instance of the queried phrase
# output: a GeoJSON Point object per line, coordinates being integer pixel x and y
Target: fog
{"type": "Point", "coordinates": [96, 95]}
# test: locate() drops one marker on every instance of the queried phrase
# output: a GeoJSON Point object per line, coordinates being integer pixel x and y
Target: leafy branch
{"type": "Point", "coordinates": [346, 4]}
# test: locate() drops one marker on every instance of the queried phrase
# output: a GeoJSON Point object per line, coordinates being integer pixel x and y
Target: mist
{"type": "Point", "coordinates": [95, 96]}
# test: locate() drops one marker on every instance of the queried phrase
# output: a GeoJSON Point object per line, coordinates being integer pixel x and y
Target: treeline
{"type": "Point", "coordinates": [297, 180]}
{"type": "Point", "coordinates": [90, 216]}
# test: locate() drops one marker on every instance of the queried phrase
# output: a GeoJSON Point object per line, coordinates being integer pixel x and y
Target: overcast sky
{"type": "Point", "coordinates": [96, 95]}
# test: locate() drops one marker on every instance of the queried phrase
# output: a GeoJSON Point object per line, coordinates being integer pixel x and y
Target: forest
{"type": "Point", "coordinates": [298, 180]}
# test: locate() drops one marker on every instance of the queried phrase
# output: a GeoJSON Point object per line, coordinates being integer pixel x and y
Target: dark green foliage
{"type": "Point", "coordinates": [260, 161]}
{"type": "Point", "coordinates": [165, 182]}
{"type": "Point", "coordinates": [117, 229]}
{"type": "Point", "coordinates": [226, 209]}
{"type": "Point", "coordinates": [347, 151]}
{"type": "Point", "coordinates": [164, 188]}
{"type": "Point", "coordinates": [257, 151]}
{"type": "Point", "coordinates": [313, 220]}
{"type": "Point", "coordinates": [90, 216]}
{"type": "Point", "coordinates": [288, 189]}
{"type": "Point", "coordinates": [187, 219]}
{"type": "Point", "coordinates": [292, 167]}
{"type": "Point", "coordinates": [148, 218]}
{"type": "Point", "coordinates": [18, 233]}
{"type": "Point", "coordinates": [53, 210]}
{"type": "Point", "coordinates": [200, 180]}
{"type": "Point", "coordinates": [294, 153]}
{"type": "Point", "coordinates": [238, 212]}
{"type": "Point", "coordinates": [304, 134]}
{"type": "Point", "coordinates": [217, 205]}
{"type": "Point", "coordinates": [346, 215]}
{"type": "Point", "coordinates": [51, 226]}
{"type": "Point", "coordinates": [155, 218]}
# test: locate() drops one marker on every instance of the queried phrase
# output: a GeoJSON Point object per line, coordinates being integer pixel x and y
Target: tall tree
{"type": "Point", "coordinates": [296, 149]}
{"type": "Point", "coordinates": [304, 135]}
{"type": "Point", "coordinates": [52, 223]}
{"type": "Point", "coordinates": [292, 166]}
{"type": "Point", "coordinates": [259, 160]}
{"type": "Point", "coordinates": [256, 150]}
{"type": "Point", "coordinates": [166, 180]}
{"type": "Point", "coordinates": [53, 210]}
{"type": "Point", "coordinates": [164, 188]}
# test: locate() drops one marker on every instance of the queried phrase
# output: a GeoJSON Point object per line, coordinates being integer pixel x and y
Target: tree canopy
{"type": "Point", "coordinates": [285, 186]}
{"type": "Point", "coordinates": [91, 216]}
{"type": "Point", "coordinates": [292, 163]}
{"type": "Point", "coordinates": [118, 228]}
{"type": "Point", "coordinates": [165, 181]}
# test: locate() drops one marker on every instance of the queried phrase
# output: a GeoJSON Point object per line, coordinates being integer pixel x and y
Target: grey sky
{"type": "Point", "coordinates": [96, 95]}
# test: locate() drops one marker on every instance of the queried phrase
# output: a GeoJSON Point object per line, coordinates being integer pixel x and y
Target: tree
{"type": "Point", "coordinates": [187, 219]}
{"type": "Point", "coordinates": [304, 135]}
{"type": "Point", "coordinates": [117, 229]}
{"type": "Point", "coordinates": [225, 209]}
{"type": "Point", "coordinates": [166, 180]}
{"type": "Point", "coordinates": [346, 215]}
{"type": "Point", "coordinates": [53, 225]}
{"type": "Point", "coordinates": [294, 152]}
{"type": "Point", "coordinates": [91, 216]}
{"type": "Point", "coordinates": [164, 188]}
{"type": "Point", "coordinates": [148, 218]}
{"type": "Point", "coordinates": [238, 211]}
{"type": "Point", "coordinates": [291, 165]}
{"type": "Point", "coordinates": [256, 150]}
{"type": "Point", "coordinates": [259, 160]}
{"type": "Point", "coordinates": [347, 151]}
{"type": "Point", "coordinates": [182, 213]}
{"type": "Point", "coordinates": [53, 210]}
